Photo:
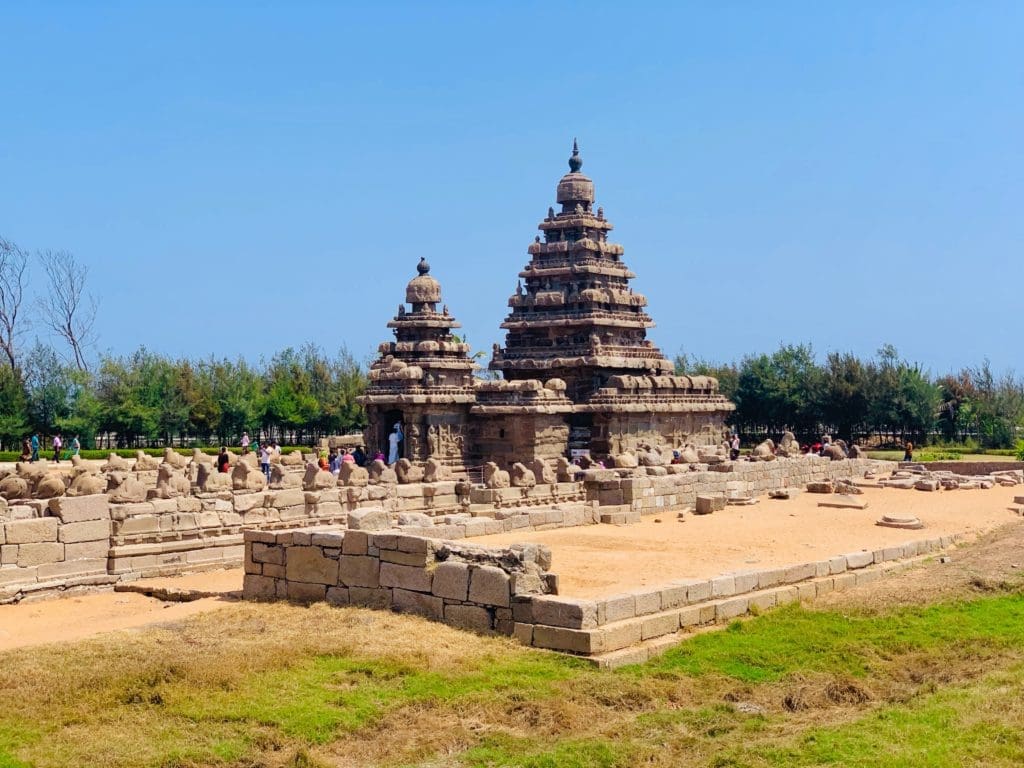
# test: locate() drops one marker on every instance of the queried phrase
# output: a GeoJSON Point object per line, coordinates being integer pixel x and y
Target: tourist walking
{"type": "Point", "coordinates": [57, 443]}
{"type": "Point", "coordinates": [245, 443]}
{"type": "Point", "coordinates": [908, 452]}
{"type": "Point", "coordinates": [35, 447]}
{"type": "Point", "coordinates": [76, 446]}
{"type": "Point", "coordinates": [734, 447]}
{"type": "Point", "coordinates": [265, 460]}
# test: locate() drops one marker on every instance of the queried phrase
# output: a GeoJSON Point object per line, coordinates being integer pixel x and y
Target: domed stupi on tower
{"type": "Point", "coordinates": [579, 373]}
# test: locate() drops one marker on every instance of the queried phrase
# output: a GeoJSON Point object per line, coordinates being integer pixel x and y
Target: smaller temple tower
{"type": "Point", "coordinates": [423, 380]}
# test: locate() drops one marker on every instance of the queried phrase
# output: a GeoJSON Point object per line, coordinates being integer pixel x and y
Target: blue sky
{"type": "Point", "coordinates": [244, 177]}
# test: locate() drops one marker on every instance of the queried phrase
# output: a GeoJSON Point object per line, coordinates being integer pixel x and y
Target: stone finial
{"type": "Point", "coordinates": [551, 213]}
{"type": "Point", "coordinates": [575, 162]}
{"type": "Point", "coordinates": [600, 212]}
{"type": "Point", "coordinates": [423, 267]}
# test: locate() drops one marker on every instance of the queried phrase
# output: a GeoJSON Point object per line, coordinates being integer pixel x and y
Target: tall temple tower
{"type": "Point", "coordinates": [574, 315]}
{"type": "Point", "coordinates": [423, 379]}
{"type": "Point", "coordinates": [574, 318]}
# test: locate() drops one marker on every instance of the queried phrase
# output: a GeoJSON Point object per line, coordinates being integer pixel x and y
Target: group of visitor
{"type": "Point", "coordinates": [30, 447]}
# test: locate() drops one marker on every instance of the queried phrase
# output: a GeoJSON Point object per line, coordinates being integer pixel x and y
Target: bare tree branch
{"type": "Point", "coordinates": [67, 308]}
{"type": "Point", "coordinates": [13, 266]}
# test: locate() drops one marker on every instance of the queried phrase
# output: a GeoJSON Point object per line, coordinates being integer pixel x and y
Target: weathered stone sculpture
{"type": "Point", "coordinates": [521, 477]}
{"type": "Point", "coordinates": [174, 458]}
{"type": "Point", "coordinates": [170, 483]}
{"type": "Point", "coordinates": [246, 477]}
{"type": "Point", "coordinates": [116, 463]}
{"type": "Point", "coordinates": [317, 479]}
{"type": "Point", "coordinates": [87, 484]}
{"type": "Point", "coordinates": [144, 462]}
{"type": "Point", "coordinates": [13, 487]}
{"type": "Point", "coordinates": [407, 472]}
{"type": "Point", "coordinates": [122, 488]}
{"type": "Point", "coordinates": [210, 480]}
{"type": "Point", "coordinates": [626, 460]}
{"type": "Point", "coordinates": [494, 477]}
{"type": "Point", "coordinates": [543, 472]}
{"type": "Point", "coordinates": [764, 451]}
{"type": "Point", "coordinates": [293, 459]}
{"type": "Point", "coordinates": [352, 474]}
{"type": "Point", "coordinates": [434, 471]}
{"type": "Point", "coordinates": [381, 473]}
{"type": "Point", "coordinates": [279, 478]}
{"type": "Point", "coordinates": [788, 446]}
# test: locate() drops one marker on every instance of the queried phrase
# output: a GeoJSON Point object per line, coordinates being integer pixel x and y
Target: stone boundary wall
{"type": "Point", "coordinates": [468, 587]}
{"type": "Point", "coordinates": [512, 591]}
{"type": "Point", "coordinates": [204, 530]}
{"type": "Point", "coordinates": [623, 498]}
{"type": "Point", "coordinates": [966, 467]}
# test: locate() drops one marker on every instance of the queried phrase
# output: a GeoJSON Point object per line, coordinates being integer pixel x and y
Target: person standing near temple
{"type": "Point", "coordinates": [734, 447]}
{"type": "Point", "coordinates": [223, 460]}
{"type": "Point", "coordinates": [34, 442]}
{"type": "Point", "coordinates": [57, 443]}
{"type": "Point", "coordinates": [265, 460]}
{"type": "Point", "coordinates": [245, 442]}
{"type": "Point", "coordinates": [393, 442]}
{"type": "Point", "coordinates": [76, 446]}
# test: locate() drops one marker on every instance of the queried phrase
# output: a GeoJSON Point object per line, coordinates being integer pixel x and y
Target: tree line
{"type": "Point", "coordinates": [886, 398]}
{"type": "Point", "coordinates": [145, 399]}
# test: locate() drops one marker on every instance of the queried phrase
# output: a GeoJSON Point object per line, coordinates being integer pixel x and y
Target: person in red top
{"type": "Point", "coordinates": [223, 460]}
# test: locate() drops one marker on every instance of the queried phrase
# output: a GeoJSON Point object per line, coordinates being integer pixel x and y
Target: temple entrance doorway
{"type": "Point", "coordinates": [580, 428]}
{"type": "Point", "coordinates": [387, 426]}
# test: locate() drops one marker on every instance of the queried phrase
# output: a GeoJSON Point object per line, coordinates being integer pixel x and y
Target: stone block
{"type": "Point", "coordinates": [259, 588]}
{"type": "Point", "coordinates": [723, 586]}
{"type": "Point", "coordinates": [358, 571]}
{"type": "Point", "coordinates": [564, 639]}
{"type": "Point", "coordinates": [689, 617]}
{"type": "Point", "coordinates": [289, 497]}
{"type": "Point", "coordinates": [617, 608]}
{"type": "Point", "coordinates": [659, 624]}
{"type": "Point", "coordinates": [267, 553]}
{"type": "Point", "coordinates": [859, 559]}
{"type": "Point", "coordinates": [523, 633]}
{"type": "Point", "coordinates": [673, 596]}
{"type": "Point", "coordinates": [87, 550]}
{"type": "Point", "coordinates": [355, 543]}
{"type": "Point", "coordinates": [489, 586]}
{"type": "Point", "coordinates": [79, 509]}
{"type": "Point", "coordinates": [308, 564]}
{"type": "Point", "coordinates": [451, 580]}
{"type": "Point", "coordinates": [406, 577]}
{"type": "Point", "coordinates": [370, 598]}
{"type": "Point", "coordinates": [564, 612]}
{"type": "Point", "coordinates": [618, 636]}
{"type": "Point", "coordinates": [405, 601]}
{"type": "Point", "coordinates": [39, 553]}
{"type": "Point", "coordinates": [746, 581]}
{"type": "Point", "coordinates": [647, 602]}
{"type": "Point", "coordinates": [91, 530]}
{"type": "Point", "coordinates": [32, 531]}
{"type": "Point", "coordinates": [69, 568]}
{"type": "Point", "coordinates": [301, 592]}
{"type": "Point", "coordinates": [770, 577]}
{"type": "Point", "coordinates": [762, 601]}
{"type": "Point", "coordinates": [369, 519]}
{"type": "Point", "coordinates": [731, 608]}
{"type": "Point", "coordinates": [837, 565]}
{"type": "Point", "coordinates": [471, 617]}
{"type": "Point", "coordinates": [338, 596]}
{"type": "Point", "coordinates": [698, 591]}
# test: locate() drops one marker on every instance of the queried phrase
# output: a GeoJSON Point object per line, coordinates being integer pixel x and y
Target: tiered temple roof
{"type": "Point", "coordinates": [426, 363]}
{"type": "Point", "coordinates": [574, 315]}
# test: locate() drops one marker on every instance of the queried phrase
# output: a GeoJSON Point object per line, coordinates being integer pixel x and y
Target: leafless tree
{"type": "Point", "coordinates": [67, 308]}
{"type": "Point", "coordinates": [13, 269]}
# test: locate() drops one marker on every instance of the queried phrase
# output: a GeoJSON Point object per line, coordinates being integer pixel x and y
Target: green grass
{"type": "Point", "coordinates": [314, 699]}
{"type": "Point", "coordinates": [231, 693]}
{"type": "Point", "coordinates": [792, 639]}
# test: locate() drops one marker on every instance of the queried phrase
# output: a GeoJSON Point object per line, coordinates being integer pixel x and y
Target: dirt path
{"type": "Point", "coordinates": [81, 615]}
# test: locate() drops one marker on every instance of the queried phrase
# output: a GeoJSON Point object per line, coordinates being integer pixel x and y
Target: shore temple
{"type": "Point", "coordinates": [579, 375]}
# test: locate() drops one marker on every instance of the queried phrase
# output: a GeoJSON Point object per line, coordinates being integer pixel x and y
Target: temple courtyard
{"type": "Point", "coordinates": [593, 561]}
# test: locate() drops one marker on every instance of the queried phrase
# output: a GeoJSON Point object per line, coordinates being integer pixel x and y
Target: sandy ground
{"type": "Point", "coordinates": [591, 561]}
{"type": "Point", "coordinates": [606, 559]}
{"type": "Point", "coordinates": [84, 614]}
